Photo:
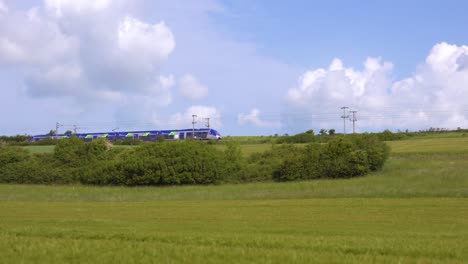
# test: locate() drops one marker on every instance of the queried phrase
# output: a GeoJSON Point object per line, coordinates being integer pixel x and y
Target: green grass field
{"type": "Point", "coordinates": [413, 211]}
{"type": "Point", "coordinates": [262, 231]}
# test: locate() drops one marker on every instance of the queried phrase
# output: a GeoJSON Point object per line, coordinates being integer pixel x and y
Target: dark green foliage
{"type": "Point", "coordinates": [263, 166]}
{"type": "Point", "coordinates": [233, 162]}
{"type": "Point", "coordinates": [37, 169]}
{"type": "Point", "coordinates": [298, 138]}
{"type": "Point", "coordinates": [387, 135]}
{"type": "Point", "coordinates": [291, 168]}
{"type": "Point", "coordinates": [311, 161]}
{"type": "Point", "coordinates": [43, 142]}
{"type": "Point", "coordinates": [12, 154]}
{"type": "Point", "coordinates": [323, 132]}
{"type": "Point", "coordinates": [343, 157]}
{"type": "Point", "coordinates": [377, 151]}
{"type": "Point", "coordinates": [23, 140]}
{"type": "Point", "coordinates": [128, 142]}
{"type": "Point", "coordinates": [15, 139]}
{"type": "Point", "coordinates": [165, 163]}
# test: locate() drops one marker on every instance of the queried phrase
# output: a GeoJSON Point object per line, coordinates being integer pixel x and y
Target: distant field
{"type": "Point", "coordinates": [425, 145]}
{"type": "Point", "coordinates": [413, 211]}
{"type": "Point", "coordinates": [50, 149]}
{"type": "Point", "coordinates": [40, 149]}
{"type": "Point", "coordinates": [434, 145]}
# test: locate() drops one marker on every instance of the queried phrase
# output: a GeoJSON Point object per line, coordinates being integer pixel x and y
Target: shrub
{"type": "Point", "coordinates": [233, 162]}
{"type": "Point", "coordinates": [264, 166]}
{"type": "Point", "coordinates": [37, 169]}
{"type": "Point", "coordinates": [12, 154]}
{"type": "Point", "coordinates": [71, 152]}
{"type": "Point", "coordinates": [163, 163]}
{"type": "Point", "coordinates": [340, 158]}
{"type": "Point", "coordinates": [290, 169]}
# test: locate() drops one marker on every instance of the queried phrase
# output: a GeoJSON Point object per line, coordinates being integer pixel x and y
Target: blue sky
{"type": "Point", "coordinates": [311, 33]}
{"type": "Point", "coordinates": [253, 67]}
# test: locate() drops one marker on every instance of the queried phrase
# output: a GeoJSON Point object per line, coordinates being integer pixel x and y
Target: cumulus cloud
{"type": "Point", "coordinates": [3, 7]}
{"type": "Point", "coordinates": [86, 50]}
{"type": "Point", "coordinates": [191, 88]}
{"type": "Point", "coordinates": [184, 120]}
{"type": "Point", "coordinates": [434, 96]}
{"type": "Point", "coordinates": [64, 7]}
{"type": "Point", "coordinates": [253, 118]}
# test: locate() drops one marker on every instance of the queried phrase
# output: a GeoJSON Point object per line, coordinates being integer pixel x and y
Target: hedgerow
{"type": "Point", "coordinates": [191, 162]}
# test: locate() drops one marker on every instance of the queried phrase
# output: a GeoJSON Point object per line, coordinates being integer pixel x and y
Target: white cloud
{"type": "Point", "coordinates": [88, 50]}
{"type": "Point", "coordinates": [184, 120]}
{"type": "Point", "coordinates": [3, 7]}
{"type": "Point", "coordinates": [434, 96]}
{"type": "Point", "coordinates": [144, 40]}
{"type": "Point", "coordinates": [65, 7]}
{"type": "Point", "coordinates": [253, 118]}
{"type": "Point", "coordinates": [23, 35]}
{"type": "Point", "coordinates": [191, 88]}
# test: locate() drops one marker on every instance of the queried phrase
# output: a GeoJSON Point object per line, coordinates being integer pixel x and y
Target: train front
{"type": "Point", "coordinates": [214, 134]}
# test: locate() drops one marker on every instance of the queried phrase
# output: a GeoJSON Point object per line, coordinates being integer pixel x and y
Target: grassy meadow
{"type": "Point", "coordinates": [415, 210]}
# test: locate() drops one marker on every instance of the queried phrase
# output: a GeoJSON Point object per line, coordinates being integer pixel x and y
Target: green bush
{"type": "Point", "coordinates": [12, 154]}
{"type": "Point", "coordinates": [71, 152]}
{"type": "Point", "coordinates": [162, 163]}
{"type": "Point", "coordinates": [339, 158]}
{"type": "Point", "coordinates": [233, 162]}
{"type": "Point", "coordinates": [264, 166]}
{"type": "Point", "coordinates": [37, 169]}
{"type": "Point", "coordinates": [305, 137]}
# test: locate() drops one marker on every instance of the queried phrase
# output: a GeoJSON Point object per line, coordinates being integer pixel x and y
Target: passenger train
{"type": "Point", "coordinates": [145, 135]}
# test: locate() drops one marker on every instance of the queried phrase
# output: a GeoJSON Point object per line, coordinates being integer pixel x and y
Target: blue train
{"type": "Point", "coordinates": [145, 135]}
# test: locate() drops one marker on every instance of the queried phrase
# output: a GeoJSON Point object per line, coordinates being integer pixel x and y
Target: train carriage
{"type": "Point", "coordinates": [145, 135]}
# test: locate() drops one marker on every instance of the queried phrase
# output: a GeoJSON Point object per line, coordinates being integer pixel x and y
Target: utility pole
{"type": "Point", "coordinates": [344, 116]}
{"type": "Point", "coordinates": [207, 122]}
{"type": "Point", "coordinates": [193, 126]}
{"type": "Point", "coordinates": [354, 119]}
{"type": "Point", "coordinates": [57, 125]}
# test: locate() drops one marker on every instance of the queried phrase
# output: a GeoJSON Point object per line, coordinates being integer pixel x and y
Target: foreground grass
{"type": "Point", "coordinates": [413, 211]}
{"type": "Point", "coordinates": [265, 231]}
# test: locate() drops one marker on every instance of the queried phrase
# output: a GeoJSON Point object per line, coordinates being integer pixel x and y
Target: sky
{"type": "Point", "coordinates": [253, 67]}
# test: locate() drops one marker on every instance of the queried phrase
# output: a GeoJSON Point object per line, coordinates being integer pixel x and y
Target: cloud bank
{"type": "Point", "coordinates": [435, 95]}
{"type": "Point", "coordinates": [86, 50]}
